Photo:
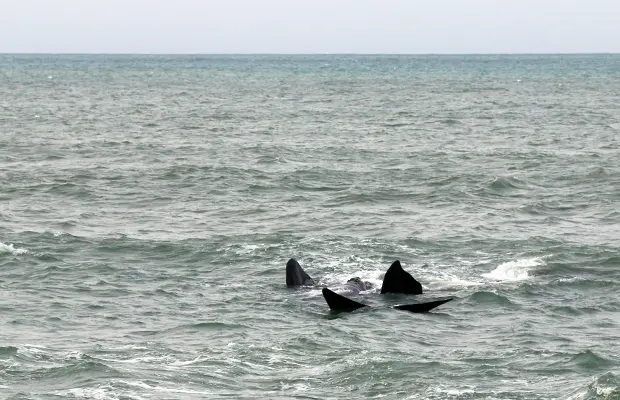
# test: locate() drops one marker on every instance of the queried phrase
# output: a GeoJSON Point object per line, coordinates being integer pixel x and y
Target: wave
{"type": "Point", "coordinates": [506, 183]}
{"type": "Point", "coordinates": [209, 326]}
{"type": "Point", "coordinates": [396, 124]}
{"type": "Point", "coordinates": [581, 283]}
{"type": "Point", "coordinates": [9, 248]}
{"type": "Point", "coordinates": [83, 369]}
{"type": "Point", "coordinates": [613, 261]}
{"type": "Point", "coordinates": [484, 297]}
{"type": "Point", "coordinates": [571, 311]}
{"type": "Point", "coordinates": [549, 207]}
{"type": "Point", "coordinates": [590, 360]}
{"type": "Point", "coordinates": [7, 351]}
{"type": "Point", "coordinates": [604, 387]}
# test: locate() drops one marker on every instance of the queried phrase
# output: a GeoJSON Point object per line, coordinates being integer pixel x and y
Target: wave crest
{"type": "Point", "coordinates": [9, 248]}
{"type": "Point", "coordinates": [606, 387]}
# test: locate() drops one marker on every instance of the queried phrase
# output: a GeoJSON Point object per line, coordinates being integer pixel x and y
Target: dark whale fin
{"type": "Point", "coordinates": [295, 275]}
{"type": "Point", "coordinates": [397, 280]}
{"type": "Point", "coordinates": [340, 303]}
{"type": "Point", "coordinates": [422, 307]}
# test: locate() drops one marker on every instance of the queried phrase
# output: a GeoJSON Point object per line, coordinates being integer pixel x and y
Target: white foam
{"type": "Point", "coordinates": [517, 270]}
{"type": "Point", "coordinates": [583, 394]}
{"type": "Point", "coordinates": [275, 359]}
{"type": "Point", "coordinates": [373, 276]}
{"type": "Point", "coordinates": [180, 390]}
{"type": "Point", "coordinates": [138, 384]}
{"type": "Point", "coordinates": [346, 268]}
{"type": "Point", "coordinates": [73, 355]}
{"type": "Point", "coordinates": [447, 281]}
{"type": "Point", "coordinates": [180, 363]}
{"type": "Point", "coordinates": [334, 279]}
{"type": "Point", "coordinates": [160, 360]}
{"type": "Point", "coordinates": [248, 248]}
{"type": "Point", "coordinates": [296, 387]}
{"type": "Point", "coordinates": [9, 248]}
{"type": "Point", "coordinates": [32, 349]}
{"type": "Point", "coordinates": [454, 392]}
{"type": "Point", "coordinates": [441, 276]}
{"type": "Point", "coordinates": [106, 392]}
{"type": "Point", "coordinates": [312, 293]}
{"type": "Point", "coordinates": [88, 393]}
{"type": "Point", "coordinates": [146, 386]}
{"type": "Point", "coordinates": [578, 396]}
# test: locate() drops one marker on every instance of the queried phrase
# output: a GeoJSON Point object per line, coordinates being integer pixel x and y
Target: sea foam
{"type": "Point", "coordinates": [516, 270]}
{"type": "Point", "coordinates": [9, 248]}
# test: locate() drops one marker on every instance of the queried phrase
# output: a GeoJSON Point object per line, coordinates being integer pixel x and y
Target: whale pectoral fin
{"type": "Point", "coordinates": [422, 307]}
{"type": "Point", "coordinates": [295, 275]}
{"type": "Point", "coordinates": [340, 303]}
{"type": "Point", "coordinates": [397, 280]}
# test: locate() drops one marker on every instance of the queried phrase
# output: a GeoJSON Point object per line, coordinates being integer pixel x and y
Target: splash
{"type": "Point", "coordinates": [9, 248]}
{"type": "Point", "coordinates": [448, 281]}
{"type": "Point", "coordinates": [602, 387]}
{"type": "Point", "coordinates": [517, 270]}
{"type": "Point", "coordinates": [348, 267]}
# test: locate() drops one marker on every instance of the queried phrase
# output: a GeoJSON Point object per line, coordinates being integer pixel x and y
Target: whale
{"type": "Point", "coordinates": [395, 281]}
{"type": "Point", "coordinates": [296, 276]}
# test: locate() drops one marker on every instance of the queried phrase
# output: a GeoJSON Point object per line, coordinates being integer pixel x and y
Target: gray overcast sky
{"type": "Point", "coordinates": [309, 26]}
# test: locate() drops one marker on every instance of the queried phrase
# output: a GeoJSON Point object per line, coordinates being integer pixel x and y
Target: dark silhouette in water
{"type": "Point", "coordinates": [295, 275]}
{"type": "Point", "coordinates": [396, 280]}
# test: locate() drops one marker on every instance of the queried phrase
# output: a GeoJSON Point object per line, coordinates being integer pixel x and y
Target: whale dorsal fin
{"type": "Point", "coordinates": [397, 280]}
{"type": "Point", "coordinates": [295, 275]}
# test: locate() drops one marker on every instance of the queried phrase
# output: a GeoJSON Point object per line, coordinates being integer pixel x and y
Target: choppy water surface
{"type": "Point", "coordinates": [148, 206]}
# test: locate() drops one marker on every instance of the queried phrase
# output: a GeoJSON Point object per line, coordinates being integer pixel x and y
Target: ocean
{"type": "Point", "coordinates": [149, 204]}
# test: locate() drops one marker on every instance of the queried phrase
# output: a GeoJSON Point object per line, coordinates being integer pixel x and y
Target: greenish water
{"type": "Point", "coordinates": [148, 206]}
